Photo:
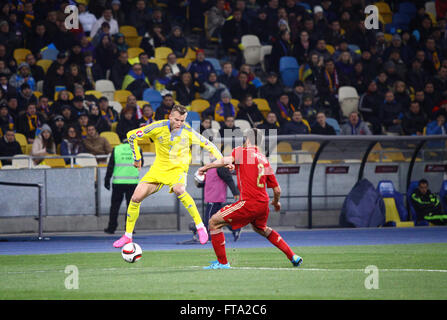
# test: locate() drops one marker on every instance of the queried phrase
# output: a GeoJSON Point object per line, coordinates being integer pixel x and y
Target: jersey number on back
{"type": "Point", "coordinates": [260, 174]}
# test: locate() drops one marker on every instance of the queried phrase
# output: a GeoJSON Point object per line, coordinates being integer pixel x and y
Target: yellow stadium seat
{"type": "Point", "coordinates": [310, 146]}
{"type": "Point", "coordinates": [141, 103]}
{"type": "Point", "coordinates": [112, 138]}
{"type": "Point", "coordinates": [20, 54]}
{"type": "Point", "coordinates": [284, 146]}
{"type": "Point", "coordinates": [54, 163]}
{"type": "Point", "coordinates": [388, 37]}
{"type": "Point", "coordinates": [37, 94]}
{"type": "Point", "coordinates": [159, 62]}
{"type": "Point", "coordinates": [235, 103]}
{"type": "Point", "coordinates": [45, 64]}
{"type": "Point", "coordinates": [385, 11]}
{"type": "Point", "coordinates": [113, 126]}
{"type": "Point", "coordinates": [330, 48]}
{"type": "Point", "coordinates": [262, 104]}
{"type": "Point", "coordinates": [394, 155]}
{"type": "Point", "coordinates": [131, 36]}
{"type": "Point", "coordinates": [190, 55]}
{"type": "Point", "coordinates": [162, 52]}
{"type": "Point", "coordinates": [95, 93]}
{"type": "Point", "coordinates": [21, 139]}
{"type": "Point", "coordinates": [392, 215]}
{"type": "Point", "coordinates": [134, 52]}
{"type": "Point", "coordinates": [121, 96]}
{"type": "Point", "coordinates": [199, 105]}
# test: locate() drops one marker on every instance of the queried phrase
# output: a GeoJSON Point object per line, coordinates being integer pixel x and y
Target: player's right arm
{"type": "Point", "coordinates": [222, 162]}
{"type": "Point", "coordinates": [140, 134]}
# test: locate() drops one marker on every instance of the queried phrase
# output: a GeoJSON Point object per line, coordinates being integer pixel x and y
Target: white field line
{"type": "Point", "coordinates": [291, 269]}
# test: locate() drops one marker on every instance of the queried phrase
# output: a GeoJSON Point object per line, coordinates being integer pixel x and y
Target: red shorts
{"type": "Point", "coordinates": [242, 212]}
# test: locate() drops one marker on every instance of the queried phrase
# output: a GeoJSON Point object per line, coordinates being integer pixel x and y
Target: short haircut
{"type": "Point", "coordinates": [423, 181]}
{"type": "Point", "coordinates": [179, 108]}
{"type": "Point", "coordinates": [255, 136]}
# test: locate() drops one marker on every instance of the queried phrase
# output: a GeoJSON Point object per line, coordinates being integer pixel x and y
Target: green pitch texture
{"type": "Point", "coordinates": [404, 272]}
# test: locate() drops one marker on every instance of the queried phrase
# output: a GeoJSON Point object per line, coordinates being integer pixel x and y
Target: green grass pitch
{"type": "Point", "coordinates": [416, 271]}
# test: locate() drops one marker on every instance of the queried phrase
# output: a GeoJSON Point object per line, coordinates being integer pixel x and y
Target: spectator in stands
{"type": "Point", "coordinates": [120, 69]}
{"type": "Point", "coordinates": [131, 103]}
{"type": "Point", "coordinates": [440, 79]}
{"type": "Point", "coordinates": [217, 16]}
{"type": "Point", "coordinates": [369, 106]}
{"type": "Point", "coordinates": [29, 122]}
{"type": "Point", "coordinates": [427, 204]}
{"type": "Point", "coordinates": [281, 48]}
{"type": "Point", "coordinates": [118, 12]}
{"type": "Point", "coordinates": [86, 18]}
{"type": "Point", "coordinates": [224, 108]}
{"type": "Point", "coordinates": [355, 126]}
{"type": "Point", "coordinates": [106, 53]}
{"type": "Point", "coordinates": [107, 112]}
{"type": "Point", "coordinates": [401, 94]}
{"type": "Point", "coordinates": [25, 96]}
{"type": "Point", "coordinates": [186, 88]}
{"type": "Point", "coordinates": [205, 124]}
{"type": "Point", "coordinates": [437, 126]}
{"type": "Point", "coordinates": [71, 144]}
{"type": "Point", "coordinates": [23, 75]}
{"type": "Point", "coordinates": [75, 77]}
{"type": "Point", "coordinates": [104, 31]}
{"type": "Point", "coordinates": [309, 109]}
{"type": "Point", "coordinates": [63, 39]}
{"type": "Point", "coordinates": [431, 96]}
{"type": "Point", "coordinates": [328, 83]}
{"type": "Point", "coordinates": [8, 145]}
{"type": "Point", "coordinates": [37, 71]}
{"type": "Point", "coordinates": [158, 19]}
{"type": "Point", "coordinates": [120, 41]}
{"type": "Point", "coordinates": [135, 81]}
{"type": "Point", "coordinates": [200, 68]}
{"type": "Point", "coordinates": [55, 82]}
{"type": "Point", "coordinates": [176, 68]}
{"type": "Point", "coordinates": [242, 87]}
{"type": "Point", "coordinates": [78, 107]}
{"type": "Point", "coordinates": [177, 42]}
{"type": "Point", "coordinates": [272, 89]}
{"type": "Point", "coordinates": [126, 123]}
{"type": "Point", "coordinates": [91, 70]}
{"type": "Point", "coordinates": [228, 77]}
{"type": "Point", "coordinates": [43, 145]}
{"type": "Point", "coordinates": [414, 120]}
{"type": "Point", "coordinates": [321, 50]}
{"type": "Point", "coordinates": [321, 127]}
{"type": "Point", "coordinates": [96, 119]}
{"type": "Point", "coordinates": [432, 53]}
{"type": "Point", "coordinates": [197, 10]}
{"type": "Point", "coordinates": [249, 111]}
{"type": "Point", "coordinates": [58, 129]}
{"type": "Point", "coordinates": [139, 17]}
{"type": "Point", "coordinates": [416, 76]}
{"type": "Point", "coordinates": [283, 108]}
{"type": "Point", "coordinates": [106, 17]}
{"type": "Point", "coordinates": [164, 79]}
{"type": "Point", "coordinates": [164, 110]}
{"type": "Point", "coordinates": [62, 98]}
{"type": "Point", "coordinates": [38, 39]}
{"type": "Point", "coordinates": [391, 113]}
{"type": "Point", "coordinates": [82, 123]}
{"type": "Point", "coordinates": [66, 113]}
{"type": "Point", "coordinates": [260, 27]}
{"type": "Point", "coordinates": [213, 89]}
{"type": "Point", "coordinates": [6, 120]}
{"type": "Point", "coordinates": [295, 126]}
{"type": "Point", "coordinates": [302, 47]}
{"type": "Point", "coordinates": [150, 69]}
{"type": "Point", "coordinates": [95, 144]}
{"type": "Point", "coordinates": [148, 116]}
{"type": "Point", "coordinates": [232, 32]}
{"type": "Point", "coordinates": [270, 123]}
{"type": "Point", "coordinates": [4, 70]}
{"type": "Point", "coordinates": [345, 67]}
{"type": "Point", "coordinates": [229, 129]}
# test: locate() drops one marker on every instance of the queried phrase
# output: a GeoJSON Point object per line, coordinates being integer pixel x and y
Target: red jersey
{"type": "Point", "coordinates": [254, 174]}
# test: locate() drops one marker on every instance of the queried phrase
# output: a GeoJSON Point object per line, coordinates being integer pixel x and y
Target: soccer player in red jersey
{"type": "Point", "coordinates": [254, 174]}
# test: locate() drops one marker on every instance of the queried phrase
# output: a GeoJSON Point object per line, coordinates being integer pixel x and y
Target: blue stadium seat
{"type": "Point", "coordinates": [408, 8]}
{"type": "Point", "coordinates": [334, 124]}
{"type": "Point", "coordinates": [401, 21]}
{"type": "Point", "coordinates": [216, 65]}
{"type": "Point", "coordinates": [153, 97]}
{"type": "Point", "coordinates": [50, 54]}
{"type": "Point", "coordinates": [193, 118]}
{"type": "Point", "coordinates": [288, 68]}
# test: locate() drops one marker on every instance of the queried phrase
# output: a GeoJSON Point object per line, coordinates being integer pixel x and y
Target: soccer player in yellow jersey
{"type": "Point", "coordinates": [173, 139]}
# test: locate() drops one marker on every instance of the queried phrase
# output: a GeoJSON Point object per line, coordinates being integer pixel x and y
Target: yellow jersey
{"type": "Point", "coordinates": [172, 149]}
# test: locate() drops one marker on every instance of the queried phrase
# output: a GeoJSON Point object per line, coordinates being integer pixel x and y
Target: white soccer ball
{"type": "Point", "coordinates": [131, 252]}
{"type": "Point", "coordinates": [199, 178]}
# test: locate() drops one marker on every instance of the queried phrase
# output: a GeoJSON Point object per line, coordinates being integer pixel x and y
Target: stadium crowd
{"type": "Point", "coordinates": [399, 71]}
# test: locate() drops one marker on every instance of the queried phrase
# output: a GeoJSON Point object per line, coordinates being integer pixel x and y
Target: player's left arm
{"type": "Point", "coordinates": [273, 184]}
{"type": "Point", "coordinates": [222, 162]}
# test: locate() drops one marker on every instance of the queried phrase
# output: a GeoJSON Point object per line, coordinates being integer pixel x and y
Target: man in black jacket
{"type": "Point", "coordinates": [9, 146]}
{"type": "Point", "coordinates": [427, 204]}
{"type": "Point", "coordinates": [321, 127]}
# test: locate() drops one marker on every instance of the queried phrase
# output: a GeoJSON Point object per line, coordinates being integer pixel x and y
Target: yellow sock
{"type": "Point", "coordinates": [190, 205]}
{"type": "Point", "coordinates": [133, 211]}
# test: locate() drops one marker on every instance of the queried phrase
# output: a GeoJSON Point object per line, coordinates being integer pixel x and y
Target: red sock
{"type": "Point", "coordinates": [278, 242]}
{"type": "Point", "coordinates": [218, 241]}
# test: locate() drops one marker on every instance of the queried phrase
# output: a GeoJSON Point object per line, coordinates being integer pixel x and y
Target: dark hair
{"type": "Point", "coordinates": [179, 108]}
{"type": "Point", "coordinates": [422, 181]}
{"type": "Point", "coordinates": [255, 136]}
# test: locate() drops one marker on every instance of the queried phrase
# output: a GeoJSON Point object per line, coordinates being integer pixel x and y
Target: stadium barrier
{"type": "Point", "coordinates": [319, 169]}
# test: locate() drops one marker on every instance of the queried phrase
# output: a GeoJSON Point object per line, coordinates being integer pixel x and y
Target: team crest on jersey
{"type": "Point", "coordinates": [160, 139]}
{"type": "Point", "coordinates": [139, 133]}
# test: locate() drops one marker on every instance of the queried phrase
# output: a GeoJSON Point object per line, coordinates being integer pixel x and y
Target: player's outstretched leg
{"type": "Point", "coordinates": [279, 242]}
{"type": "Point", "coordinates": [190, 205]}
{"type": "Point", "coordinates": [218, 240]}
{"type": "Point", "coordinates": [133, 211]}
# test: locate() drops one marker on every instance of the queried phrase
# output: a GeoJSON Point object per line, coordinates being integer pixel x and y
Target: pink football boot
{"type": "Point", "coordinates": [122, 241]}
{"type": "Point", "coordinates": [203, 235]}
